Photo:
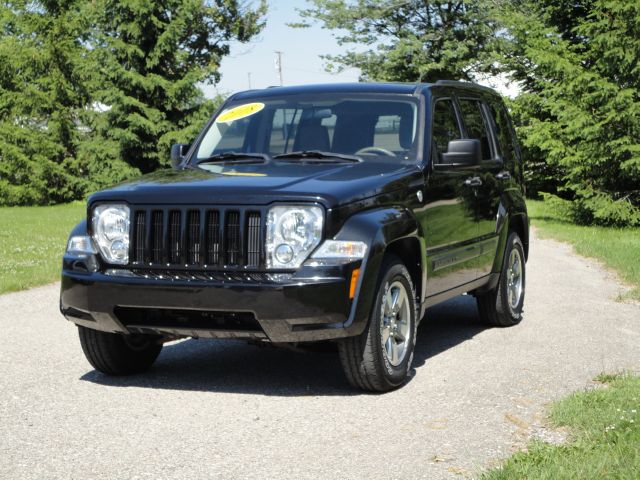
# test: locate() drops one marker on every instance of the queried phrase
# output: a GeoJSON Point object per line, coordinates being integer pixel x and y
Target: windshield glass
{"type": "Point", "coordinates": [370, 127]}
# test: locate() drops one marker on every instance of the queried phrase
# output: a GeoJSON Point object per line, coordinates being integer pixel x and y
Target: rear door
{"type": "Point", "coordinates": [478, 124]}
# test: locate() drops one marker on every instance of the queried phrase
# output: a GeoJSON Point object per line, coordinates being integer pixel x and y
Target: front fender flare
{"type": "Point", "coordinates": [378, 228]}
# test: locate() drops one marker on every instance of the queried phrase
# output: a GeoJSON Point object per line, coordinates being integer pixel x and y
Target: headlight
{"type": "Point", "coordinates": [292, 234]}
{"type": "Point", "coordinates": [111, 232]}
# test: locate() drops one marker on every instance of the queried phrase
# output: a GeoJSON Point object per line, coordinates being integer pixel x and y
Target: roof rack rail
{"type": "Point", "coordinates": [457, 83]}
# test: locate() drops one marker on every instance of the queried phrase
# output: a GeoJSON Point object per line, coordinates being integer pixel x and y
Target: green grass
{"type": "Point", "coordinates": [32, 241]}
{"type": "Point", "coordinates": [618, 248]}
{"type": "Point", "coordinates": [604, 442]}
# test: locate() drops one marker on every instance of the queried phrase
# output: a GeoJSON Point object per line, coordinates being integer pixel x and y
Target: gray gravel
{"type": "Point", "coordinates": [211, 409]}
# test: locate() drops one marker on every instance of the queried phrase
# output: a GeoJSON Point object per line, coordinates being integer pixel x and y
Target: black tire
{"type": "Point", "coordinates": [364, 358]}
{"type": "Point", "coordinates": [494, 306]}
{"type": "Point", "coordinates": [116, 354]}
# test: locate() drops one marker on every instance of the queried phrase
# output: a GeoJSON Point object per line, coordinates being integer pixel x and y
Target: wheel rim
{"type": "Point", "coordinates": [395, 327]}
{"type": "Point", "coordinates": [515, 279]}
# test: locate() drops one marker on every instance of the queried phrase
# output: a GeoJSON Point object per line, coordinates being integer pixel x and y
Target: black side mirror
{"type": "Point", "coordinates": [462, 153]}
{"type": "Point", "coordinates": [178, 151]}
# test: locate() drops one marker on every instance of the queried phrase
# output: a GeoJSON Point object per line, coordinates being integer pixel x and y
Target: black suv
{"type": "Point", "coordinates": [303, 214]}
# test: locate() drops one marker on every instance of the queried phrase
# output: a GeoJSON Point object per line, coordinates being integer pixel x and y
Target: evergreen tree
{"type": "Point", "coordinates": [150, 58]}
{"type": "Point", "coordinates": [579, 64]}
{"type": "Point", "coordinates": [92, 93]}
{"type": "Point", "coordinates": [42, 100]}
{"type": "Point", "coordinates": [408, 41]}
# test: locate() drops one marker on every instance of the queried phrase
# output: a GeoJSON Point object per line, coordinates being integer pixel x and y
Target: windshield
{"type": "Point", "coordinates": [369, 127]}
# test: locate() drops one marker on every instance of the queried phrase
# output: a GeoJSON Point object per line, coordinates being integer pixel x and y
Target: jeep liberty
{"type": "Point", "coordinates": [303, 214]}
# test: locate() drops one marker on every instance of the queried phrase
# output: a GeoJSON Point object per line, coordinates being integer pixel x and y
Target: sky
{"type": "Point", "coordinates": [301, 51]}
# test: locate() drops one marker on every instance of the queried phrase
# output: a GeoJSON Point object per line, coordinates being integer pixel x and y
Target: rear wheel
{"type": "Point", "coordinates": [116, 354]}
{"type": "Point", "coordinates": [379, 359]}
{"type": "Point", "coordinates": [502, 306]}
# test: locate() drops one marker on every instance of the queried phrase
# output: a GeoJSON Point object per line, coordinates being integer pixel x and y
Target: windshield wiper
{"type": "Point", "coordinates": [318, 155]}
{"type": "Point", "coordinates": [235, 157]}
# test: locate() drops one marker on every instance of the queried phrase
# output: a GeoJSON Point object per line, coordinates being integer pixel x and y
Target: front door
{"type": "Point", "coordinates": [446, 217]}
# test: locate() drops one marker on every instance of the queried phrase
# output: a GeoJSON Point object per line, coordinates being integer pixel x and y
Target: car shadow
{"type": "Point", "coordinates": [238, 367]}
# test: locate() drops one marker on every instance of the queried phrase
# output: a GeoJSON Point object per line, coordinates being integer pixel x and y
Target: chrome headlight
{"type": "Point", "coordinates": [292, 234]}
{"type": "Point", "coordinates": [111, 232]}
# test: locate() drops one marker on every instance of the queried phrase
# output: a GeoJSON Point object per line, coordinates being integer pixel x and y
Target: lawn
{"type": "Point", "coordinates": [604, 440]}
{"type": "Point", "coordinates": [618, 248]}
{"type": "Point", "coordinates": [32, 241]}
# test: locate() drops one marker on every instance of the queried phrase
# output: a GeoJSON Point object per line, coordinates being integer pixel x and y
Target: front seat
{"type": "Point", "coordinates": [311, 135]}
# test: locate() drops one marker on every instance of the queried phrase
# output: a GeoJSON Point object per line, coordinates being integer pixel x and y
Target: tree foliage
{"type": "Point", "coordinates": [579, 113]}
{"type": "Point", "coordinates": [151, 58]}
{"type": "Point", "coordinates": [577, 61]}
{"type": "Point", "coordinates": [42, 99]}
{"type": "Point", "coordinates": [92, 93]}
{"type": "Point", "coordinates": [408, 41]}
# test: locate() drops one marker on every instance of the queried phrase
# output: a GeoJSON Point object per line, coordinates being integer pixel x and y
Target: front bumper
{"type": "Point", "coordinates": [312, 304]}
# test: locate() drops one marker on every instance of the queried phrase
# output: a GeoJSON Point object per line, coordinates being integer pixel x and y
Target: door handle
{"type": "Point", "coordinates": [504, 175]}
{"type": "Point", "coordinates": [473, 182]}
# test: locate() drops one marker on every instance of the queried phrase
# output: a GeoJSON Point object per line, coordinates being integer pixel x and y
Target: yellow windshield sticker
{"type": "Point", "coordinates": [242, 111]}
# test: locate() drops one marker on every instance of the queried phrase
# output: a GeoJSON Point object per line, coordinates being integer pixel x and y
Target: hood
{"type": "Point", "coordinates": [259, 184]}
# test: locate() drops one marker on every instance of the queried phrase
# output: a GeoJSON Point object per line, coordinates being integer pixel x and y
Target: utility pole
{"type": "Point", "coordinates": [249, 77]}
{"type": "Point", "coordinates": [279, 65]}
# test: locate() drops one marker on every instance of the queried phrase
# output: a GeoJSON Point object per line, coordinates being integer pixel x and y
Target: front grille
{"type": "Point", "coordinates": [197, 238]}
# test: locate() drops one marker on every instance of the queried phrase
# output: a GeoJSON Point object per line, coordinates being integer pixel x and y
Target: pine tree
{"type": "Point", "coordinates": [407, 41]}
{"type": "Point", "coordinates": [92, 93]}
{"type": "Point", "coordinates": [150, 58]}
{"type": "Point", "coordinates": [579, 63]}
{"type": "Point", "coordinates": [42, 100]}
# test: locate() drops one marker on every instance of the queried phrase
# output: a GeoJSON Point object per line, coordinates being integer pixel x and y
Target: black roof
{"type": "Point", "coordinates": [355, 87]}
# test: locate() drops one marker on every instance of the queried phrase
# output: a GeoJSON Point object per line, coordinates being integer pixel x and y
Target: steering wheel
{"type": "Point", "coordinates": [375, 151]}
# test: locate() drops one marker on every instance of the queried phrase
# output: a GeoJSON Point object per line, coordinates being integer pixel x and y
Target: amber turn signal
{"type": "Point", "coordinates": [354, 282]}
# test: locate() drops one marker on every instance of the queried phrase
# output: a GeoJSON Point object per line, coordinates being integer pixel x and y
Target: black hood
{"type": "Point", "coordinates": [332, 184]}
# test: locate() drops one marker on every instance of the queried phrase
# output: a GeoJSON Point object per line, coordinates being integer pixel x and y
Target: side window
{"type": "Point", "coordinates": [387, 131]}
{"type": "Point", "coordinates": [445, 128]}
{"type": "Point", "coordinates": [503, 130]}
{"type": "Point", "coordinates": [476, 124]}
{"type": "Point", "coordinates": [330, 124]}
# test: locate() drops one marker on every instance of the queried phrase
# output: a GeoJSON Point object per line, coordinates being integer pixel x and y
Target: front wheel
{"type": "Point", "coordinates": [379, 359]}
{"type": "Point", "coordinates": [116, 354]}
{"type": "Point", "coordinates": [502, 306]}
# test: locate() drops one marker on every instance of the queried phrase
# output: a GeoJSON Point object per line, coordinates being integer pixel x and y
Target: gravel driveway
{"type": "Point", "coordinates": [210, 409]}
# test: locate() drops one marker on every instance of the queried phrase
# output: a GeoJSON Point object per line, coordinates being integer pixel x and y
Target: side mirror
{"type": "Point", "coordinates": [462, 153]}
{"type": "Point", "coordinates": [178, 151]}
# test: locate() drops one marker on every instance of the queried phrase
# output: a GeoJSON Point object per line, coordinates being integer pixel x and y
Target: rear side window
{"type": "Point", "coordinates": [476, 124]}
{"type": "Point", "coordinates": [445, 128]}
{"type": "Point", "coordinates": [503, 130]}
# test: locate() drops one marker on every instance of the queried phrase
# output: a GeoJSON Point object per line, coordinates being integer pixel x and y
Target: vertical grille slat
{"type": "Point", "coordinates": [156, 236]}
{"type": "Point", "coordinates": [232, 233]}
{"type": "Point", "coordinates": [139, 236]}
{"type": "Point", "coordinates": [213, 237]}
{"type": "Point", "coordinates": [253, 239]}
{"type": "Point", "coordinates": [197, 237]}
{"type": "Point", "coordinates": [174, 239]}
{"type": "Point", "coordinates": [193, 238]}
